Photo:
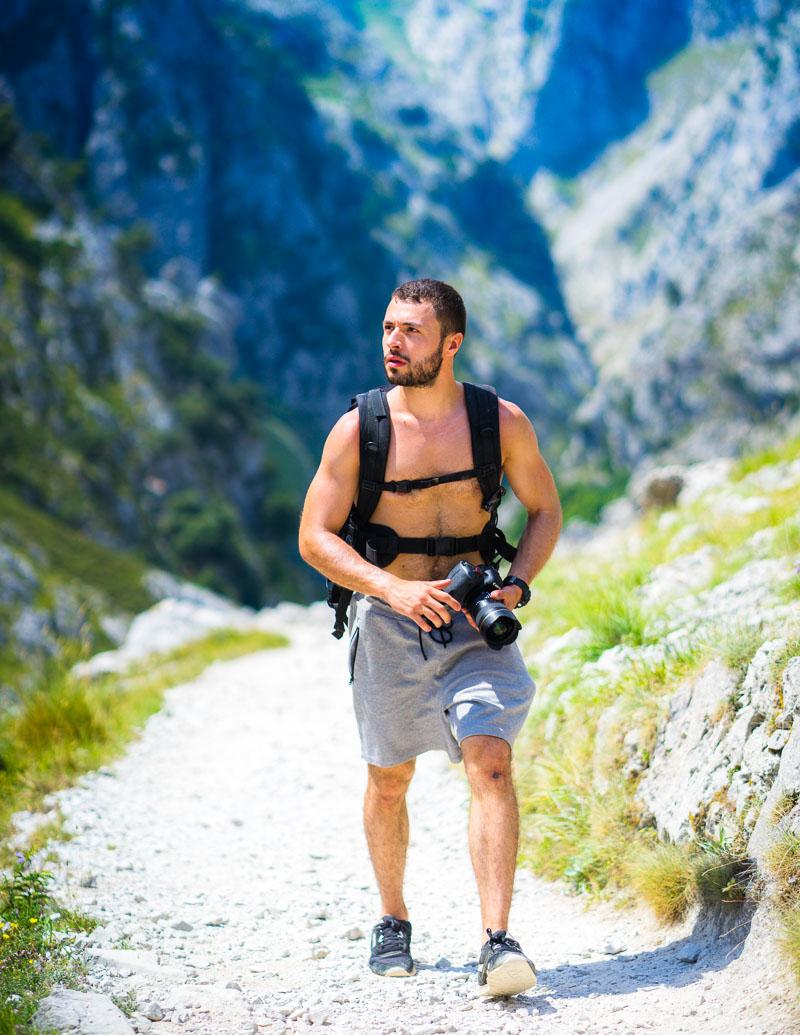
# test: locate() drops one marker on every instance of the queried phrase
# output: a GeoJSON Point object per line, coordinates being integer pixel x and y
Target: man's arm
{"type": "Point", "coordinates": [532, 483]}
{"type": "Point", "coordinates": [328, 501]}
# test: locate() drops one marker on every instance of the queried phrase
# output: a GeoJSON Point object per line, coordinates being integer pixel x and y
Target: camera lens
{"type": "Point", "coordinates": [496, 623]}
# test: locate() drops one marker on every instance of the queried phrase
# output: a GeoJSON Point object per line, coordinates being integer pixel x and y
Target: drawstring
{"type": "Point", "coordinates": [443, 636]}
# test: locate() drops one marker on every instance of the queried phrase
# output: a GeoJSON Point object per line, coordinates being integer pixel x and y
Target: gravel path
{"type": "Point", "coordinates": [225, 858]}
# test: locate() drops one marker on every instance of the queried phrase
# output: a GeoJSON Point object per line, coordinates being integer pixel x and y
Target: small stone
{"type": "Point", "coordinates": [613, 948]}
{"type": "Point", "coordinates": [690, 953]}
{"type": "Point", "coordinates": [217, 921]}
{"type": "Point", "coordinates": [777, 742]}
{"type": "Point", "coordinates": [235, 985]}
{"type": "Point", "coordinates": [88, 880]}
{"type": "Point", "coordinates": [443, 963]}
{"type": "Point", "coordinates": [354, 934]}
{"type": "Point", "coordinates": [319, 1016]}
{"type": "Point", "coordinates": [319, 952]}
{"type": "Point", "coordinates": [182, 925]}
{"type": "Point", "coordinates": [153, 1012]}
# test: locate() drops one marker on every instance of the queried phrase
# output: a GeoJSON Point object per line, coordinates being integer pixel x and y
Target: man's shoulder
{"type": "Point", "coordinates": [345, 433]}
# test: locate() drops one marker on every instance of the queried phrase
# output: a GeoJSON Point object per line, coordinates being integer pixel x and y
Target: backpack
{"type": "Point", "coordinates": [380, 544]}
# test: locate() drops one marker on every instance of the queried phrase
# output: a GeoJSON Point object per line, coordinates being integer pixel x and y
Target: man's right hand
{"type": "Point", "coordinates": [424, 602]}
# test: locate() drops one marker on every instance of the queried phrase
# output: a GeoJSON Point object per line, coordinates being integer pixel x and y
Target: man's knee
{"type": "Point", "coordinates": [390, 783]}
{"type": "Point", "coordinates": [487, 761]}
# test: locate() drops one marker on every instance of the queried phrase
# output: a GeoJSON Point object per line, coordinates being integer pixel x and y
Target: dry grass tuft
{"type": "Point", "coordinates": [665, 877]}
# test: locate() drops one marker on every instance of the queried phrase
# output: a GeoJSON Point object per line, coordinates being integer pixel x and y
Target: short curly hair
{"type": "Point", "coordinates": [447, 304]}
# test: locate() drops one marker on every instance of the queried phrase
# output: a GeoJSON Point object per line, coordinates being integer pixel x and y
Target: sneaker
{"type": "Point", "coordinates": [503, 968]}
{"type": "Point", "coordinates": [391, 948]}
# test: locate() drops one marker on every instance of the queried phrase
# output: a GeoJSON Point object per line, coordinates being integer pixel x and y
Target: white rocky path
{"type": "Point", "coordinates": [224, 856]}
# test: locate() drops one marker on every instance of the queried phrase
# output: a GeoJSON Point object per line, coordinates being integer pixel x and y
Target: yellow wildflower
{"type": "Point", "coordinates": [33, 920]}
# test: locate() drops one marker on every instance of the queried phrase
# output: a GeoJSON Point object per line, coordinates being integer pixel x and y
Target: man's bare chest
{"type": "Point", "coordinates": [421, 452]}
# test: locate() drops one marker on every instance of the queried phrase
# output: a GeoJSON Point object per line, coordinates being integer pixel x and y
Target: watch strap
{"type": "Point", "coordinates": [513, 580]}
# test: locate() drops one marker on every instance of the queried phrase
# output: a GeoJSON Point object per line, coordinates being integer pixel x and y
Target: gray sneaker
{"type": "Point", "coordinates": [503, 968]}
{"type": "Point", "coordinates": [391, 948]}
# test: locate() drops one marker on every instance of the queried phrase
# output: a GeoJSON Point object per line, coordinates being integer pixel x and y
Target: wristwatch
{"type": "Point", "coordinates": [512, 580]}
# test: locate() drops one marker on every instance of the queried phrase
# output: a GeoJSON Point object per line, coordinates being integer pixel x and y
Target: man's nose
{"type": "Point", "coordinates": [394, 336]}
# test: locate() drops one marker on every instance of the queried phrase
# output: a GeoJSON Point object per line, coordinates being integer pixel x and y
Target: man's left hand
{"type": "Point", "coordinates": [509, 596]}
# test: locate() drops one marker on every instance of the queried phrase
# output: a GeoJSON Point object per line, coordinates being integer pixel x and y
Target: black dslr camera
{"type": "Point", "coordinates": [471, 586]}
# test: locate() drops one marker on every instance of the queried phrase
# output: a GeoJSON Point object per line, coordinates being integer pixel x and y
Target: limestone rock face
{"type": "Point", "coordinates": [695, 749]}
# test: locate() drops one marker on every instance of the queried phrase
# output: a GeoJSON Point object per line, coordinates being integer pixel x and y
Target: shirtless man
{"type": "Point", "coordinates": [458, 695]}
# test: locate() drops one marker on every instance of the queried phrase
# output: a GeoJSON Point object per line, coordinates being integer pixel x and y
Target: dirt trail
{"type": "Point", "coordinates": [237, 817]}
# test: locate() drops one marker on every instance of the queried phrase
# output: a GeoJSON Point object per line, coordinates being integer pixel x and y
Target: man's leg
{"type": "Point", "coordinates": [386, 827]}
{"type": "Point", "coordinates": [493, 826]}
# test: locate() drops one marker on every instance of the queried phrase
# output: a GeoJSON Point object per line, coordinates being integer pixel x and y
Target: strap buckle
{"type": "Point", "coordinates": [492, 502]}
{"type": "Point", "coordinates": [441, 546]}
{"type": "Point", "coordinates": [403, 486]}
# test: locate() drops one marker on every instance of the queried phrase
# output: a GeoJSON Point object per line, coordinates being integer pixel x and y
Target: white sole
{"type": "Point", "coordinates": [512, 976]}
{"type": "Point", "coordinates": [397, 972]}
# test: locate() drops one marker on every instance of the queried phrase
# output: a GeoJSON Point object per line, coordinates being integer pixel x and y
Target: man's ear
{"type": "Point", "coordinates": [453, 343]}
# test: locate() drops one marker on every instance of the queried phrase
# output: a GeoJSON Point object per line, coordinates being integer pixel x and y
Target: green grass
{"type": "Point", "coordinates": [67, 725]}
{"type": "Point", "coordinates": [782, 863]}
{"type": "Point", "coordinates": [737, 645]}
{"type": "Point", "coordinates": [789, 938]}
{"type": "Point", "coordinates": [72, 556]}
{"type": "Point", "coordinates": [37, 944]}
{"type": "Point", "coordinates": [781, 452]}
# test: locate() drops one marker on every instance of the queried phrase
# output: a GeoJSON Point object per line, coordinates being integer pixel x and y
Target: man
{"type": "Point", "coordinates": [451, 693]}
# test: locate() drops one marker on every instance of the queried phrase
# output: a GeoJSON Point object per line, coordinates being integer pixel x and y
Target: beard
{"type": "Point", "coordinates": [418, 375]}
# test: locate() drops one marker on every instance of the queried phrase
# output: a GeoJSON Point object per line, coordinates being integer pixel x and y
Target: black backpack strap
{"type": "Point", "coordinates": [375, 430]}
{"type": "Point", "coordinates": [484, 427]}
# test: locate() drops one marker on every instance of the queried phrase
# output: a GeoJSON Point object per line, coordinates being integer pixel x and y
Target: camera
{"type": "Point", "coordinates": [471, 585]}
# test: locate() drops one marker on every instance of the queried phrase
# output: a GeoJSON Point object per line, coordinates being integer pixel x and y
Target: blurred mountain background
{"type": "Point", "coordinates": [204, 205]}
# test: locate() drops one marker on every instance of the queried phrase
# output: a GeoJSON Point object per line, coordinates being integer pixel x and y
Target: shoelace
{"type": "Point", "coordinates": [390, 937]}
{"type": "Point", "coordinates": [442, 635]}
{"type": "Point", "coordinates": [500, 938]}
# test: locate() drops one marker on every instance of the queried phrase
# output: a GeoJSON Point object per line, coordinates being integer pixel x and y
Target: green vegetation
{"type": "Point", "coordinates": [37, 940]}
{"type": "Point", "coordinates": [592, 729]}
{"type": "Point", "coordinates": [783, 452]}
{"type": "Point", "coordinates": [782, 863]}
{"type": "Point", "coordinates": [69, 555]}
{"type": "Point", "coordinates": [585, 499]}
{"type": "Point", "coordinates": [737, 645]}
{"type": "Point", "coordinates": [66, 725]}
{"type": "Point", "coordinates": [664, 877]}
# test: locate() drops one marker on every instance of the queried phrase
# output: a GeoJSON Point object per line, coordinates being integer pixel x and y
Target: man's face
{"type": "Point", "coordinates": [413, 346]}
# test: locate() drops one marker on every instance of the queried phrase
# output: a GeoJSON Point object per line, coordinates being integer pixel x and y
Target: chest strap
{"type": "Point", "coordinates": [411, 484]}
{"type": "Point", "coordinates": [379, 547]}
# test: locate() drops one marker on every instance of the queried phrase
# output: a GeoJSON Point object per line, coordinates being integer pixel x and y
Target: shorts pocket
{"type": "Point", "coordinates": [351, 658]}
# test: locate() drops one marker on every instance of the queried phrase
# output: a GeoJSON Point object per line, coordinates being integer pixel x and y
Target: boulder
{"type": "Point", "coordinates": [84, 1013]}
{"type": "Point", "coordinates": [658, 488]}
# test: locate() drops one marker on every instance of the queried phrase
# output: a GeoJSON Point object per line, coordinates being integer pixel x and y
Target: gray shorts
{"type": "Point", "coordinates": [413, 694]}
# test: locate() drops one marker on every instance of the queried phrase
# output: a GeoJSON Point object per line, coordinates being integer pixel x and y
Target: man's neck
{"type": "Point", "coordinates": [431, 403]}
